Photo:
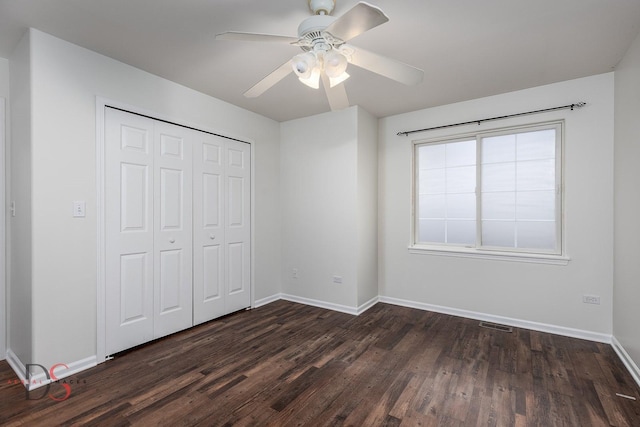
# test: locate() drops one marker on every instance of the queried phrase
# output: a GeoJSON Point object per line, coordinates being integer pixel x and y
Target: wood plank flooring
{"type": "Point", "coordinates": [287, 364]}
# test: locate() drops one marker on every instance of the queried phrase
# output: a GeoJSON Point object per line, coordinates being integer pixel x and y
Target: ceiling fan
{"type": "Point", "coordinates": [326, 54]}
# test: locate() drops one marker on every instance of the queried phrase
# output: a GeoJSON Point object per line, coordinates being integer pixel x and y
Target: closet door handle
{"type": "Point", "coordinates": [172, 240]}
{"type": "Point", "coordinates": [212, 237]}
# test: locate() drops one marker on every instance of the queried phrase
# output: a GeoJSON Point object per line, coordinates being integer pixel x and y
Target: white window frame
{"type": "Point", "coordinates": [557, 256]}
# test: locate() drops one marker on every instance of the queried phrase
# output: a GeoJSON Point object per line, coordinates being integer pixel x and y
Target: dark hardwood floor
{"type": "Point", "coordinates": [290, 364]}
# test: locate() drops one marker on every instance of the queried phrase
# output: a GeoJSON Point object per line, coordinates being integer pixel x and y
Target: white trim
{"type": "Point", "coordinates": [101, 104]}
{"type": "Point", "coordinates": [252, 225]}
{"type": "Point", "coordinates": [462, 252]}
{"type": "Point", "coordinates": [321, 304]}
{"type": "Point", "coordinates": [628, 362]}
{"type": "Point", "coordinates": [317, 303]}
{"type": "Point", "coordinates": [101, 327]}
{"type": "Point", "coordinates": [17, 365]}
{"type": "Point", "coordinates": [367, 305]}
{"type": "Point", "coordinates": [518, 323]}
{"type": "Point", "coordinates": [267, 300]}
{"type": "Point", "coordinates": [324, 304]}
{"type": "Point", "coordinates": [3, 235]}
{"type": "Point", "coordinates": [40, 379]}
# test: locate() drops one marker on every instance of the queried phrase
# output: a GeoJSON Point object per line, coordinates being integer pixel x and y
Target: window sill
{"type": "Point", "coordinates": [462, 252]}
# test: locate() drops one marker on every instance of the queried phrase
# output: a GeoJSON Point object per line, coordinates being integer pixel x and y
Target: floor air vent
{"type": "Point", "coordinates": [496, 326]}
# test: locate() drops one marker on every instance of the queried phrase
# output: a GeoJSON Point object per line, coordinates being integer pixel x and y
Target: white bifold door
{"type": "Point", "coordinates": [222, 229]}
{"type": "Point", "coordinates": [177, 227]}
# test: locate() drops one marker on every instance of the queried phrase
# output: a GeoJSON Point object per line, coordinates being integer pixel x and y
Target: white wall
{"type": "Point", "coordinates": [4, 134]}
{"type": "Point", "coordinates": [367, 215]}
{"type": "Point", "coordinates": [329, 208]}
{"type": "Point", "coordinates": [19, 285]}
{"type": "Point", "coordinates": [4, 78]}
{"type": "Point", "coordinates": [538, 293]}
{"type": "Point", "coordinates": [65, 82]}
{"type": "Point", "coordinates": [626, 315]}
{"type": "Point", "coordinates": [318, 163]}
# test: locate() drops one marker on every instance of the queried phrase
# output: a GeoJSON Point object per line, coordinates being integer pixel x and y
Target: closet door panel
{"type": "Point", "coordinates": [133, 287]}
{"type": "Point", "coordinates": [208, 230]}
{"type": "Point", "coordinates": [170, 276]}
{"type": "Point", "coordinates": [237, 226]}
{"type": "Point", "coordinates": [129, 230]}
{"type": "Point", "coordinates": [173, 229]}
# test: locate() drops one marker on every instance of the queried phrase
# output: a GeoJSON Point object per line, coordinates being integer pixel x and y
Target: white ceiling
{"type": "Point", "coordinates": [467, 48]}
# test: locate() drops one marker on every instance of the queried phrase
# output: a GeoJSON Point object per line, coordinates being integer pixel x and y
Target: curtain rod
{"type": "Point", "coordinates": [564, 107]}
{"type": "Point", "coordinates": [175, 124]}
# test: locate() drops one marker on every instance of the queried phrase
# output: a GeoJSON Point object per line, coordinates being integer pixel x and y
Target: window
{"type": "Point", "coordinates": [494, 191]}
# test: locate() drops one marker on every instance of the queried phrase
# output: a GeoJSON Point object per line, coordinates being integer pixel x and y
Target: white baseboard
{"type": "Point", "coordinates": [321, 304]}
{"type": "Point", "coordinates": [317, 303]}
{"type": "Point", "coordinates": [367, 305]}
{"type": "Point", "coordinates": [41, 379]}
{"type": "Point", "coordinates": [17, 366]}
{"type": "Point", "coordinates": [267, 300]}
{"type": "Point", "coordinates": [631, 366]}
{"type": "Point", "coordinates": [518, 323]}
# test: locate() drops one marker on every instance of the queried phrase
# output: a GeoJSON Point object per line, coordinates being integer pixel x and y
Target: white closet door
{"type": "Point", "coordinates": [173, 244]}
{"type": "Point", "coordinates": [237, 225]}
{"type": "Point", "coordinates": [129, 230]}
{"type": "Point", "coordinates": [208, 229]}
{"type": "Point", "coordinates": [178, 228]}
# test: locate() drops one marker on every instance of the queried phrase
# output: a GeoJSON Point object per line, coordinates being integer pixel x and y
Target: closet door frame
{"type": "Point", "coordinates": [101, 104]}
{"type": "Point", "coordinates": [4, 309]}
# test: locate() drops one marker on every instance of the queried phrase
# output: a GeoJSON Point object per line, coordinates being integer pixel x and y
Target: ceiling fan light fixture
{"type": "Point", "coordinates": [335, 64]}
{"type": "Point", "coordinates": [313, 81]}
{"type": "Point", "coordinates": [304, 64]}
{"type": "Point", "coordinates": [334, 81]}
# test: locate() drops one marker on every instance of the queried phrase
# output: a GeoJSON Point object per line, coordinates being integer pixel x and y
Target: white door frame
{"type": "Point", "coordinates": [101, 104]}
{"type": "Point", "coordinates": [3, 234]}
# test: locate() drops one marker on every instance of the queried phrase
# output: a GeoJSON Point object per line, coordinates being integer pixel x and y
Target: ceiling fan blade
{"type": "Point", "coordinates": [336, 95]}
{"type": "Point", "coordinates": [278, 74]}
{"type": "Point", "coordinates": [386, 67]}
{"type": "Point", "coordinates": [255, 37]}
{"type": "Point", "coordinates": [357, 20]}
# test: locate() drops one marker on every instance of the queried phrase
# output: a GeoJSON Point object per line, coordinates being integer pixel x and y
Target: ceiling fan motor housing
{"type": "Point", "coordinates": [322, 7]}
{"type": "Point", "coordinates": [314, 24]}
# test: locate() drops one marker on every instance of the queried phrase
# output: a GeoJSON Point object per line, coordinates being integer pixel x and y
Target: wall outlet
{"type": "Point", "coordinates": [79, 208]}
{"type": "Point", "coordinates": [294, 273]}
{"type": "Point", "coordinates": [591, 299]}
{"type": "Point", "coordinates": [337, 279]}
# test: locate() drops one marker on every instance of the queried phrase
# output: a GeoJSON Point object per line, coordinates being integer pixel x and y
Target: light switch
{"type": "Point", "coordinates": [79, 208]}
